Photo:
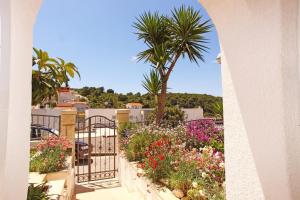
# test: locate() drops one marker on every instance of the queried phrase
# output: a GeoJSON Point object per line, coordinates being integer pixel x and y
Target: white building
{"type": "Point", "coordinates": [134, 106]}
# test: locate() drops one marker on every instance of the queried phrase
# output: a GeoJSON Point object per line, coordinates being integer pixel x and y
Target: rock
{"type": "Point", "coordinates": [178, 193]}
{"type": "Point", "coordinates": [185, 198]}
{"type": "Point", "coordinates": [140, 171]}
{"type": "Point", "coordinates": [164, 181]}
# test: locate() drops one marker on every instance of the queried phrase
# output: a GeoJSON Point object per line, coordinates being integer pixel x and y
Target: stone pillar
{"type": "Point", "coordinates": [122, 116]}
{"type": "Point", "coordinates": [67, 128]}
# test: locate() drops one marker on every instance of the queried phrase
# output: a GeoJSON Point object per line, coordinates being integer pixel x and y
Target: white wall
{"type": "Point", "coordinates": [193, 113]}
{"type": "Point", "coordinates": [137, 115]}
{"type": "Point", "coordinates": [45, 111]}
{"type": "Point", "coordinates": [15, 89]}
{"type": "Point", "coordinates": [109, 113]}
{"type": "Point", "coordinates": [260, 71]}
{"type": "Point", "coordinates": [260, 89]}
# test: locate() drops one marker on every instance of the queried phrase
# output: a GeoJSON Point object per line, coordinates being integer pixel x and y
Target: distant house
{"type": "Point", "coordinates": [134, 106]}
{"type": "Point", "coordinates": [66, 95]}
{"type": "Point", "coordinates": [68, 98]}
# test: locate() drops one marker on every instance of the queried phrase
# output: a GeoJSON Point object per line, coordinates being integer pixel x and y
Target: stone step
{"type": "Point", "coordinates": [56, 189]}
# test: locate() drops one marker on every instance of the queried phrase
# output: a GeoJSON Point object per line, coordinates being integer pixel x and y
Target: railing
{"type": "Point", "coordinates": [44, 125]}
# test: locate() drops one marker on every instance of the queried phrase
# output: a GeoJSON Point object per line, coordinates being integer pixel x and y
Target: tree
{"type": "Point", "coordinates": [168, 38]}
{"type": "Point", "coordinates": [152, 84]}
{"type": "Point", "coordinates": [66, 70]}
{"type": "Point", "coordinates": [218, 109]}
{"type": "Point", "coordinates": [48, 74]}
{"type": "Point", "coordinates": [111, 91]}
{"type": "Point", "coordinates": [44, 77]}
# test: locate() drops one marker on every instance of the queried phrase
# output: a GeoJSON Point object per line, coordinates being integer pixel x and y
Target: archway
{"type": "Point", "coordinates": [260, 90]}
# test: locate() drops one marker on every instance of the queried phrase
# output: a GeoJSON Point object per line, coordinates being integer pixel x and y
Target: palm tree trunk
{"type": "Point", "coordinates": [155, 100]}
{"type": "Point", "coordinates": [161, 102]}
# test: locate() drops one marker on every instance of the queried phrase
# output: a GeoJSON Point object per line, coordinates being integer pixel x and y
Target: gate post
{"type": "Point", "coordinates": [122, 116]}
{"type": "Point", "coordinates": [67, 129]}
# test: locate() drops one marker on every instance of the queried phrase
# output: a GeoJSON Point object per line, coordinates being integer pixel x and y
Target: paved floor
{"type": "Point", "coordinates": [104, 190]}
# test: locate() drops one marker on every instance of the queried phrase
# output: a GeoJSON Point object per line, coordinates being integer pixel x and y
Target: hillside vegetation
{"type": "Point", "coordinates": [101, 98]}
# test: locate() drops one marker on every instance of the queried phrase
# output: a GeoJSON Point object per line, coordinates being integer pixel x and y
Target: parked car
{"type": "Point", "coordinates": [39, 132]}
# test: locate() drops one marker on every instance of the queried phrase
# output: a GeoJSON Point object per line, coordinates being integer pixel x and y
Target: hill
{"type": "Point", "coordinates": [101, 98]}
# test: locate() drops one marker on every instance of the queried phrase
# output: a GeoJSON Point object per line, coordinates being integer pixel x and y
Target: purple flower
{"type": "Point", "coordinates": [203, 130]}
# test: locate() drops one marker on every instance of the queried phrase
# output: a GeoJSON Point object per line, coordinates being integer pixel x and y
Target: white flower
{"type": "Point", "coordinates": [222, 165]}
{"type": "Point", "coordinates": [204, 175]}
{"type": "Point", "coordinates": [195, 184]}
{"type": "Point", "coordinates": [201, 192]}
{"type": "Point", "coordinates": [224, 184]}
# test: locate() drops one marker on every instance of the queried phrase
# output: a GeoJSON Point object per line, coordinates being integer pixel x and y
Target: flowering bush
{"type": "Point", "coordinates": [51, 155]}
{"type": "Point", "coordinates": [137, 146]}
{"type": "Point", "coordinates": [210, 182]}
{"type": "Point", "coordinates": [183, 177]}
{"type": "Point", "coordinates": [188, 159]}
{"type": "Point", "coordinates": [157, 161]}
{"type": "Point", "coordinates": [204, 133]}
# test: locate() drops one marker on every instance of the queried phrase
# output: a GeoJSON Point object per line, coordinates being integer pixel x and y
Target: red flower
{"type": "Point", "coordinates": [161, 157]}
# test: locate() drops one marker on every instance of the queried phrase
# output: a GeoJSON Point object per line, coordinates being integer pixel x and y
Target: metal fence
{"type": "Point", "coordinates": [44, 125]}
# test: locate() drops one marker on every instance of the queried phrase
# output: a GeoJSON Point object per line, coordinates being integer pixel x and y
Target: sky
{"type": "Point", "coordinates": [97, 35]}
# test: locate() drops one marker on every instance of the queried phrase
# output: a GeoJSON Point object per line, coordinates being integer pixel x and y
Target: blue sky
{"type": "Point", "coordinates": [97, 36]}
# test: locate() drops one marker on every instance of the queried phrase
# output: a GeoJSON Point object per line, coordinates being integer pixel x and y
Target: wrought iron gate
{"type": "Point", "coordinates": [95, 149]}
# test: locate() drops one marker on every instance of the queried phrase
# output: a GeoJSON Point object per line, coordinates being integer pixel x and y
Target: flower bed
{"type": "Point", "coordinates": [130, 177]}
{"type": "Point", "coordinates": [51, 155]}
{"type": "Point", "coordinates": [51, 165]}
{"type": "Point", "coordinates": [186, 159]}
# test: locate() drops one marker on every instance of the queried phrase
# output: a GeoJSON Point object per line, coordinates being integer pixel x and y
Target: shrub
{"type": "Point", "coordinates": [37, 192]}
{"type": "Point", "coordinates": [157, 162]}
{"type": "Point", "coordinates": [185, 175]}
{"type": "Point", "coordinates": [173, 116]}
{"type": "Point", "coordinates": [124, 131]}
{"type": "Point", "coordinates": [124, 128]}
{"type": "Point", "coordinates": [137, 146]}
{"type": "Point", "coordinates": [51, 155]}
{"type": "Point", "coordinates": [204, 133]}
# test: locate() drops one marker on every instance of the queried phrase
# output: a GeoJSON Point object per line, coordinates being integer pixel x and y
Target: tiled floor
{"type": "Point", "coordinates": [104, 190]}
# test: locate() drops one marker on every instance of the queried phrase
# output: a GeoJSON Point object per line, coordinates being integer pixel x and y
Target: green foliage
{"type": "Point", "coordinates": [37, 192]}
{"type": "Point", "coordinates": [157, 162]}
{"type": "Point", "coordinates": [137, 146]}
{"type": "Point", "coordinates": [49, 74]}
{"type": "Point", "coordinates": [51, 155]}
{"type": "Point", "coordinates": [48, 161]}
{"type": "Point", "coordinates": [182, 179]}
{"type": "Point", "coordinates": [161, 171]}
{"type": "Point", "coordinates": [173, 116]}
{"type": "Point", "coordinates": [111, 91]}
{"type": "Point", "coordinates": [218, 109]}
{"type": "Point", "coordinates": [152, 84]}
{"type": "Point", "coordinates": [97, 98]}
{"type": "Point", "coordinates": [169, 38]}
{"type": "Point", "coordinates": [66, 70]}
{"type": "Point", "coordinates": [127, 126]}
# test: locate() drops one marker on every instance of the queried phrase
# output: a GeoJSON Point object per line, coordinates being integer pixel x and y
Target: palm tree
{"type": "Point", "coordinates": [44, 77]}
{"type": "Point", "coordinates": [218, 109]}
{"type": "Point", "coordinates": [67, 70]}
{"type": "Point", "coordinates": [168, 38]}
{"type": "Point", "coordinates": [49, 74]}
{"type": "Point", "coordinates": [152, 84]}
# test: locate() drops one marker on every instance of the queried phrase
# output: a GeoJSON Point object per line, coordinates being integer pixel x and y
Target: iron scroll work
{"type": "Point", "coordinates": [95, 149]}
